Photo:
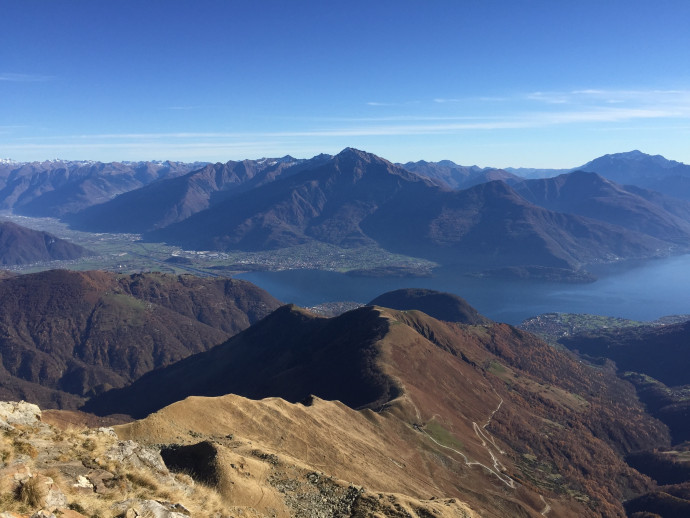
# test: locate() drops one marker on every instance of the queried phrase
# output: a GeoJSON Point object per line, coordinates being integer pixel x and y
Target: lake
{"type": "Point", "coordinates": [643, 292]}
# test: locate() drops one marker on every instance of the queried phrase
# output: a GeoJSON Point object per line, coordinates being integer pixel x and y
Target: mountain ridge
{"type": "Point", "coordinates": [20, 246]}
{"type": "Point", "coordinates": [65, 336]}
{"type": "Point", "coordinates": [161, 203]}
{"type": "Point", "coordinates": [449, 381]}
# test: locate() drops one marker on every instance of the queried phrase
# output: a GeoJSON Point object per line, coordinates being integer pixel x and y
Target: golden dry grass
{"type": "Point", "coordinates": [72, 443]}
{"type": "Point", "coordinates": [377, 451]}
{"type": "Point", "coordinates": [32, 492]}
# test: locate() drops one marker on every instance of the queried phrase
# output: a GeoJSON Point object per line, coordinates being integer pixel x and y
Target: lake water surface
{"type": "Point", "coordinates": [645, 292]}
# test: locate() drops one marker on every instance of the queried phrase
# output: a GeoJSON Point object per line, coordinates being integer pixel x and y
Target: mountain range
{"type": "Point", "coordinates": [59, 187]}
{"type": "Point", "coordinates": [649, 171]}
{"type": "Point", "coordinates": [469, 217]}
{"type": "Point", "coordinates": [160, 204]}
{"type": "Point", "coordinates": [357, 199]}
{"type": "Point", "coordinates": [593, 196]}
{"type": "Point", "coordinates": [414, 405]}
{"type": "Point", "coordinates": [449, 174]}
{"type": "Point", "coordinates": [631, 168]}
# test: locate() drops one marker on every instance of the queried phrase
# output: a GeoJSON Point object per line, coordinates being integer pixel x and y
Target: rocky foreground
{"type": "Point", "coordinates": [51, 471]}
{"type": "Point", "coordinates": [72, 473]}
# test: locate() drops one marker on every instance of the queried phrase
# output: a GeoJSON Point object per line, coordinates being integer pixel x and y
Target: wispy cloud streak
{"type": "Point", "coordinates": [608, 96]}
{"type": "Point", "coordinates": [591, 109]}
{"type": "Point", "coordinates": [24, 78]}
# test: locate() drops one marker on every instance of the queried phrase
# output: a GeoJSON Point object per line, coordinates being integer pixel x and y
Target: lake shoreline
{"type": "Point", "coordinates": [636, 290]}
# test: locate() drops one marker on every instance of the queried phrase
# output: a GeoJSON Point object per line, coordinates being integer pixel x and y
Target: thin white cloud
{"type": "Point", "coordinates": [590, 91]}
{"type": "Point", "coordinates": [603, 112]}
{"type": "Point", "coordinates": [417, 127]}
{"type": "Point", "coordinates": [9, 129]}
{"type": "Point", "coordinates": [593, 95]}
{"type": "Point", "coordinates": [379, 103]}
{"type": "Point", "coordinates": [548, 97]}
{"type": "Point", "coordinates": [24, 78]}
{"type": "Point", "coordinates": [593, 109]}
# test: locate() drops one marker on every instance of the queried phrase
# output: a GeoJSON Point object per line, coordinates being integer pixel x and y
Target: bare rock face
{"type": "Point", "coordinates": [130, 452]}
{"type": "Point", "coordinates": [151, 508]}
{"type": "Point", "coordinates": [18, 413]}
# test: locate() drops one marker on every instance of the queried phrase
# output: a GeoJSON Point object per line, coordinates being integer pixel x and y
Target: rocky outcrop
{"type": "Point", "coordinates": [18, 413]}
{"type": "Point", "coordinates": [49, 472]}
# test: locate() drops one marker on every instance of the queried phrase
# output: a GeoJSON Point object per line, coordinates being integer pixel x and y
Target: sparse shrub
{"type": "Point", "coordinates": [5, 455]}
{"type": "Point", "coordinates": [75, 506]}
{"type": "Point", "coordinates": [64, 457]}
{"type": "Point", "coordinates": [89, 444]}
{"type": "Point", "coordinates": [142, 480]}
{"type": "Point", "coordinates": [32, 492]}
{"type": "Point", "coordinates": [184, 478]}
{"type": "Point", "coordinates": [25, 448]}
{"type": "Point", "coordinates": [119, 483]}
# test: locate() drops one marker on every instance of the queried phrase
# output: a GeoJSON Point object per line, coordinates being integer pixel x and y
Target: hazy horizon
{"type": "Point", "coordinates": [511, 167]}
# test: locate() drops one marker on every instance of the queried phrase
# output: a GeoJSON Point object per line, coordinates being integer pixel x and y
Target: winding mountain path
{"type": "Point", "coordinates": [547, 507]}
{"type": "Point", "coordinates": [485, 438]}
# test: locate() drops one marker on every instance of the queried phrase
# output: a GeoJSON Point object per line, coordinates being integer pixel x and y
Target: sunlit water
{"type": "Point", "coordinates": [646, 292]}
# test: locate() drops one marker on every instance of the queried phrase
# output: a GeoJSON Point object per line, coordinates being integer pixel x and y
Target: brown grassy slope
{"type": "Point", "coordinates": [466, 395]}
{"type": "Point", "coordinates": [377, 451]}
{"type": "Point", "coordinates": [83, 332]}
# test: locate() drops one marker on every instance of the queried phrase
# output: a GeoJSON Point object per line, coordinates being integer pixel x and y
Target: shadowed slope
{"type": "Point", "coordinates": [653, 350]}
{"type": "Point", "coordinates": [592, 196]}
{"type": "Point", "coordinates": [441, 306]}
{"type": "Point", "coordinates": [21, 245]}
{"type": "Point", "coordinates": [291, 353]}
{"type": "Point", "coordinates": [326, 203]}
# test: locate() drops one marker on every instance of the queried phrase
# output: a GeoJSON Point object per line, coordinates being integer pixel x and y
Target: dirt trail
{"type": "Point", "coordinates": [547, 507]}
{"type": "Point", "coordinates": [485, 438]}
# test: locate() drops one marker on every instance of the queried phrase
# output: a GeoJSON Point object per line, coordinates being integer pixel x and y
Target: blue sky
{"type": "Point", "coordinates": [488, 82]}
